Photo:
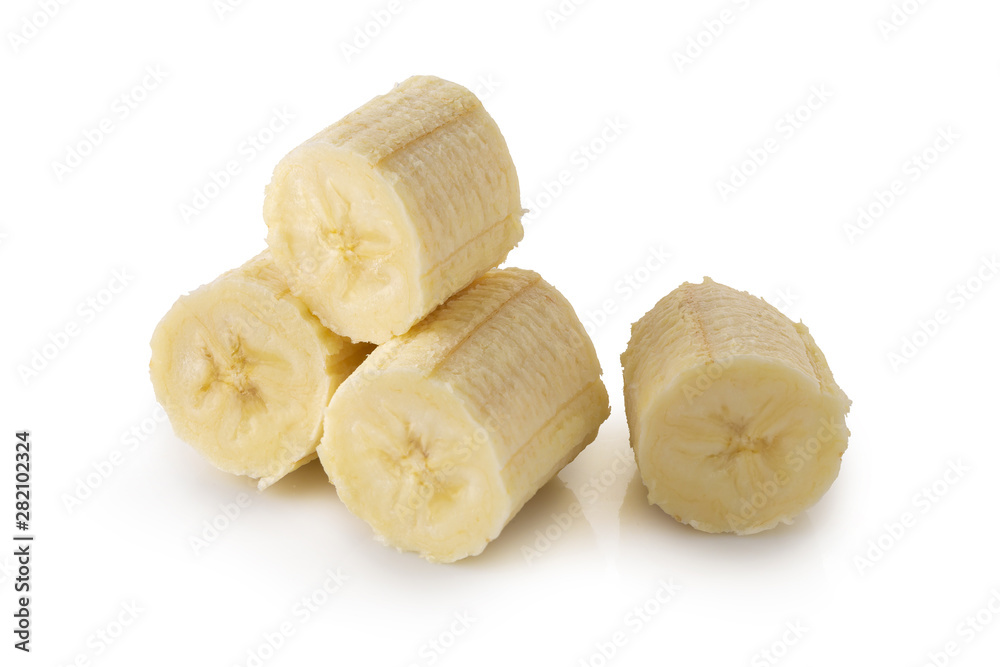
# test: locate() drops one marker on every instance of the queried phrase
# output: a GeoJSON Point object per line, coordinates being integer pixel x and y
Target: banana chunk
{"type": "Point", "coordinates": [244, 372]}
{"type": "Point", "coordinates": [445, 432]}
{"type": "Point", "coordinates": [735, 419]}
{"type": "Point", "coordinates": [385, 214]}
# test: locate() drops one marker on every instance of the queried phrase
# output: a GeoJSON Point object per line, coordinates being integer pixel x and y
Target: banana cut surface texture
{"type": "Point", "coordinates": [443, 433]}
{"type": "Point", "coordinates": [734, 417]}
{"type": "Point", "coordinates": [385, 214]}
{"type": "Point", "coordinates": [245, 372]}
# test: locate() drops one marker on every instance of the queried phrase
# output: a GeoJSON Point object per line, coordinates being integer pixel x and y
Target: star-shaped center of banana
{"type": "Point", "coordinates": [343, 241]}
{"type": "Point", "coordinates": [421, 477]}
{"type": "Point", "coordinates": [742, 442]}
{"type": "Point", "coordinates": [345, 245]}
{"type": "Point", "coordinates": [233, 372]}
{"type": "Point", "coordinates": [417, 460]}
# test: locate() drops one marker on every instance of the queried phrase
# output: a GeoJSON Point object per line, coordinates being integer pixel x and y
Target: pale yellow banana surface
{"type": "Point", "coordinates": [382, 216]}
{"type": "Point", "coordinates": [735, 419]}
{"type": "Point", "coordinates": [444, 433]}
{"type": "Point", "coordinates": [245, 372]}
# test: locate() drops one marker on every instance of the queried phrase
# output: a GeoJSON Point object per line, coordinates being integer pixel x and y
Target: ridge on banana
{"type": "Point", "coordinates": [244, 372]}
{"type": "Point", "coordinates": [734, 416]}
{"type": "Point", "coordinates": [445, 432]}
{"type": "Point", "coordinates": [379, 218]}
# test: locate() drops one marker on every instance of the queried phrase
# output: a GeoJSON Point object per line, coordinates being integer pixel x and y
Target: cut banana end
{"type": "Point", "coordinates": [444, 433]}
{"type": "Point", "coordinates": [734, 416]}
{"type": "Point", "coordinates": [382, 216]}
{"type": "Point", "coordinates": [245, 372]}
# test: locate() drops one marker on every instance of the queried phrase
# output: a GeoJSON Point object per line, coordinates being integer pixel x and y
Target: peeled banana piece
{"type": "Point", "coordinates": [244, 372]}
{"type": "Point", "coordinates": [734, 417]}
{"type": "Point", "coordinates": [443, 433]}
{"type": "Point", "coordinates": [385, 214]}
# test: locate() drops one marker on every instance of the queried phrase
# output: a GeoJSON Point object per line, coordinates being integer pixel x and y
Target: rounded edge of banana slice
{"type": "Point", "coordinates": [736, 422]}
{"type": "Point", "coordinates": [337, 231]}
{"type": "Point", "coordinates": [424, 475]}
{"type": "Point", "coordinates": [382, 216]}
{"type": "Point", "coordinates": [485, 399]}
{"type": "Point", "coordinates": [760, 444]}
{"type": "Point", "coordinates": [245, 372]}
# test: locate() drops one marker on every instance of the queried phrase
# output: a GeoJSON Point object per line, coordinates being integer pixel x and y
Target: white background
{"type": "Point", "coordinates": [857, 593]}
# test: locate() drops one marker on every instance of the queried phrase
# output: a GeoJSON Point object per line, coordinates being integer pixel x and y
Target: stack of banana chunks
{"type": "Point", "coordinates": [441, 393]}
{"type": "Point", "coordinates": [438, 392]}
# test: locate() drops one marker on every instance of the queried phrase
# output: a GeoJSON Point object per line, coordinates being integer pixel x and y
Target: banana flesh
{"type": "Point", "coordinates": [445, 432]}
{"type": "Point", "coordinates": [385, 214]}
{"type": "Point", "coordinates": [734, 417]}
{"type": "Point", "coordinates": [244, 371]}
